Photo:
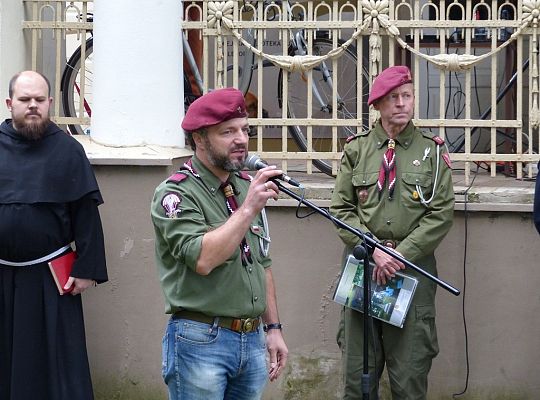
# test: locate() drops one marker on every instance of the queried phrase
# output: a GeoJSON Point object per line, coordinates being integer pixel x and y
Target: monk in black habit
{"type": "Point", "coordinates": [49, 201]}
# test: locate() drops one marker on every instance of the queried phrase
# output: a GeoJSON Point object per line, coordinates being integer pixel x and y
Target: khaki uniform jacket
{"type": "Point", "coordinates": [417, 228]}
{"type": "Point", "coordinates": [184, 208]}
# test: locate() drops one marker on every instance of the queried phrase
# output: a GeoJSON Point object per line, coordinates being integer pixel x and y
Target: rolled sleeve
{"type": "Point", "coordinates": [183, 233]}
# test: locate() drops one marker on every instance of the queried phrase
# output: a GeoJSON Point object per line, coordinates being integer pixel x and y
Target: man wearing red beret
{"type": "Point", "coordinates": [212, 255]}
{"type": "Point", "coordinates": [395, 183]}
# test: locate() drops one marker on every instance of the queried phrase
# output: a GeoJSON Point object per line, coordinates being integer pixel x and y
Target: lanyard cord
{"type": "Point", "coordinates": [419, 189]}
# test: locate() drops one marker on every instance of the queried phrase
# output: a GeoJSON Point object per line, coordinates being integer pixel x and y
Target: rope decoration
{"type": "Point", "coordinates": [531, 12]}
{"type": "Point", "coordinates": [376, 17]}
{"type": "Point", "coordinates": [221, 13]}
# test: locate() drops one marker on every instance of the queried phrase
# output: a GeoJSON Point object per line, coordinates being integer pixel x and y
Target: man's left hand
{"type": "Point", "coordinates": [79, 285]}
{"type": "Point", "coordinates": [277, 349]}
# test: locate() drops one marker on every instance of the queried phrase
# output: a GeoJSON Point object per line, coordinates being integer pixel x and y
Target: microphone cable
{"type": "Point", "coordinates": [464, 292]}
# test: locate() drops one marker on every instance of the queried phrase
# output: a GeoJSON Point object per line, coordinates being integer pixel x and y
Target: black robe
{"type": "Point", "coordinates": [49, 197]}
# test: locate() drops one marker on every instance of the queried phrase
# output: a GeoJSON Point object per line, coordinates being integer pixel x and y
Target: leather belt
{"type": "Point", "coordinates": [390, 243]}
{"type": "Point", "coordinates": [240, 325]}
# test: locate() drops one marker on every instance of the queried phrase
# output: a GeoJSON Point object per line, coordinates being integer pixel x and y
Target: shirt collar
{"type": "Point", "coordinates": [210, 180]}
{"type": "Point", "coordinates": [404, 139]}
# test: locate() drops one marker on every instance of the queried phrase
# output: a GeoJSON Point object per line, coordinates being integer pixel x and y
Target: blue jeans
{"type": "Point", "coordinates": [206, 362]}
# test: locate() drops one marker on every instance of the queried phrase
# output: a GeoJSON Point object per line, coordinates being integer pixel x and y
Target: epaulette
{"type": "Point", "coordinates": [356, 136]}
{"type": "Point", "coordinates": [439, 140]}
{"type": "Point", "coordinates": [177, 177]}
{"type": "Point", "coordinates": [431, 136]}
{"type": "Point", "coordinates": [364, 132]}
{"type": "Point", "coordinates": [244, 175]}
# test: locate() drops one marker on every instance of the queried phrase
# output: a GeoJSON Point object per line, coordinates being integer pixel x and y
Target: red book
{"type": "Point", "coordinates": [61, 270]}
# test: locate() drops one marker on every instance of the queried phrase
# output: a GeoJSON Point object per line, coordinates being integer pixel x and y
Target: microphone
{"type": "Point", "coordinates": [254, 163]}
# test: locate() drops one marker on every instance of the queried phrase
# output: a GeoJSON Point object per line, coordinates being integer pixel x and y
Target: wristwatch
{"type": "Point", "coordinates": [267, 327]}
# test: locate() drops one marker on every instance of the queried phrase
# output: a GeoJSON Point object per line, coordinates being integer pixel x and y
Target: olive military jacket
{"type": "Point", "coordinates": [417, 228]}
{"type": "Point", "coordinates": [185, 207]}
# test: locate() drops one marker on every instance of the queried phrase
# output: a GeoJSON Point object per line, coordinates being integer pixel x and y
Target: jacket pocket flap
{"type": "Point", "coordinates": [365, 179]}
{"type": "Point", "coordinates": [415, 178]}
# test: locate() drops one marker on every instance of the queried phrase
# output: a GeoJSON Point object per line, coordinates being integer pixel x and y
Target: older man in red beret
{"type": "Point", "coordinates": [394, 183]}
{"type": "Point", "coordinates": [212, 255]}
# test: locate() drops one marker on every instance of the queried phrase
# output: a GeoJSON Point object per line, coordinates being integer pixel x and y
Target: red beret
{"type": "Point", "coordinates": [214, 108]}
{"type": "Point", "coordinates": [388, 80]}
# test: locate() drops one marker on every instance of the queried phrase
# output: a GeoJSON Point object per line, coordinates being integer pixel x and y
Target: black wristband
{"type": "Point", "coordinates": [267, 327]}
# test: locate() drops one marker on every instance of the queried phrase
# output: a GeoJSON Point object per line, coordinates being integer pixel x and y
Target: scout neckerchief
{"type": "Point", "coordinates": [388, 166]}
{"type": "Point", "coordinates": [232, 206]}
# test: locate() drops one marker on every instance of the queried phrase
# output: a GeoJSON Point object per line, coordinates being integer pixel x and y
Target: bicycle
{"type": "Point", "coordinates": [71, 86]}
{"type": "Point", "coordinates": [321, 88]}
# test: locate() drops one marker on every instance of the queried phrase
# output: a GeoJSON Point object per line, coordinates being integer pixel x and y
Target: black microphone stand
{"type": "Point", "coordinates": [362, 252]}
{"type": "Point", "coordinates": [368, 240]}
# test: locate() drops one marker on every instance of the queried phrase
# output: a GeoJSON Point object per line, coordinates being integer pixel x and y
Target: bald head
{"type": "Point", "coordinates": [29, 102]}
{"type": "Point", "coordinates": [27, 75]}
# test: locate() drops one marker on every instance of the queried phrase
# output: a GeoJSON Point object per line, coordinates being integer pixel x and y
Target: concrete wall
{"type": "Point", "coordinates": [125, 319]}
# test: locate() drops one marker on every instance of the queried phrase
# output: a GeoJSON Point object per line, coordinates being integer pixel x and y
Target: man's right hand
{"type": "Point", "coordinates": [386, 266]}
{"type": "Point", "coordinates": [261, 190]}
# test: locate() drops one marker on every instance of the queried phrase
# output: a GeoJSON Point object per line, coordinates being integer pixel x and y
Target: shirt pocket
{"type": "Point", "coordinates": [415, 184]}
{"type": "Point", "coordinates": [365, 184]}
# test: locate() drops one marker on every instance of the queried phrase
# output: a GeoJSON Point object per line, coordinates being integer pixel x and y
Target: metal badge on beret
{"type": "Point", "coordinates": [170, 203]}
{"type": "Point", "coordinates": [362, 195]}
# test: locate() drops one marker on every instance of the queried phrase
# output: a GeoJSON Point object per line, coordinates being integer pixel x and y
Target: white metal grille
{"type": "Point", "coordinates": [475, 67]}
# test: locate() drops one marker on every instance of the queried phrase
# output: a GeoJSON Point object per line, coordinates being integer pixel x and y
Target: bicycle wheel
{"type": "Point", "coordinates": [72, 88]}
{"type": "Point", "coordinates": [321, 108]}
{"type": "Point", "coordinates": [246, 65]}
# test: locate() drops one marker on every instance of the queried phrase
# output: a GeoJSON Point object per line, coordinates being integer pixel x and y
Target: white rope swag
{"type": "Point", "coordinates": [375, 17]}
{"type": "Point", "coordinates": [221, 13]}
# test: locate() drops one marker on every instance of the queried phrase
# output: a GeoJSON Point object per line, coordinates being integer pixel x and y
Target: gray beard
{"type": "Point", "coordinates": [222, 161]}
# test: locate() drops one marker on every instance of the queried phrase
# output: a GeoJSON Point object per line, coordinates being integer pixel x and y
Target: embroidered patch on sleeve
{"type": "Point", "coordinates": [171, 204]}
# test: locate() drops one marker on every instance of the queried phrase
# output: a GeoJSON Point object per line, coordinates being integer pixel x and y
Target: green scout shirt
{"type": "Point", "coordinates": [417, 228]}
{"type": "Point", "coordinates": [198, 205]}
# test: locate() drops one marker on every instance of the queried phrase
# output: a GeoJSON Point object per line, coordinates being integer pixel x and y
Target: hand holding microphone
{"type": "Point", "coordinates": [254, 163]}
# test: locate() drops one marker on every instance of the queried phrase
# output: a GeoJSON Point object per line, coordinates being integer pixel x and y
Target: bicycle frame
{"type": "Point", "coordinates": [188, 54]}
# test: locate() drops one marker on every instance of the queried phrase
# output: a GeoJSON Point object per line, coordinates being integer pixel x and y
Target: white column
{"type": "Point", "coordinates": [12, 47]}
{"type": "Point", "coordinates": [138, 85]}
